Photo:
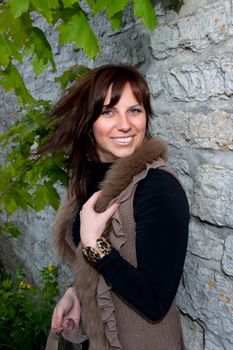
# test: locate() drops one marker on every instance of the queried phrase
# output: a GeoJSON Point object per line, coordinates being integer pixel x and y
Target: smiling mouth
{"type": "Point", "coordinates": [123, 140]}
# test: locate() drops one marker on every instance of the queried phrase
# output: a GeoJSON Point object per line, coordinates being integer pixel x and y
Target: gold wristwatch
{"type": "Point", "coordinates": [101, 249]}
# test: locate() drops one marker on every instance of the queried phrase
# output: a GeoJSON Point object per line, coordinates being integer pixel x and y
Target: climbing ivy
{"type": "Point", "coordinates": [27, 181]}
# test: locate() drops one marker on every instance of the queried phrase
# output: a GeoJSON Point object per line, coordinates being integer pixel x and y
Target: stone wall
{"type": "Point", "coordinates": [188, 62]}
{"type": "Point", "coordinates": [191, 80]}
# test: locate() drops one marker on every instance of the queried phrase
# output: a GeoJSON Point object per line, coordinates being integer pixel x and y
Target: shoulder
{"type": "Point", "coordinates": [157, 188]}
{"type": "Point", "coordinates": [160, 181]}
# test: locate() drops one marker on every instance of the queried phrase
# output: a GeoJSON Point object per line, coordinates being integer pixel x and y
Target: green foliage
{"type": "Point", "coordinates": [25, 310]}
{"type": "Point", "coordinates": [12, 80]}
{"type": "Point", "coordinates": [74, 73]}
{"type": "Point", "coordinates": [19, 37]}
{"type": "Point", "coordinates": [41, 51]}
{"type": "Point", "coordinates": [11, 228]}
{"type": "Point", "coordinates": [28, 181]}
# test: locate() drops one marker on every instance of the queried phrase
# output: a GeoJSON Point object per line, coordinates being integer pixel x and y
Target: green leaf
{"type": "Point", "coordinates": [68, 76]}
{"type": "Point", "coordinates": [146, 11]}
{"type": "Point", "coordinates": [115, 12]}
{"type": "Point", "coordinates": [116, 20]}
{"type": "Point", "coordinates": [45, 7]}
{"type": "Point", "coordinates": [17, 29]}
{"type": "Point", "coordinates": [11, 80]}
{"type": "Point", "coordinates": [33, 175]}
{"type": "Point", "coordinates": [41, 49]}
{"type": "Point", "coordinates": [69, 3]}
{"type": "Point", "coordinates": [4, 179]}
{"type": "Point", "coordinates": [38, 66]}
{"type": "Point", "coordinates": [4, 57]}
{"type": "Point", "coordinates": [40, 198]}
{"type": "Point", "coordinates": [116, 6]}
{"type": "Point", "coordinates": [9, 204]}
{"type": "Point", "coordinates": [30, 122]}
{"type": "Point", "coordinates": [12, 50]}
{"type": "Point", "coordinates": [18, 7]}
{"type": "Point", "coordinates": [6, 20]}
{"type": "Point", "coordinates": [76, 28]}
{"type": "Point", "coordinates": [6, 284]}
{"type": "Point", "coordinates": [53, 169]}
{"type": "Point", "coordinates": [11, 228]}
{"type": "Point", "coordinates": [8, 51]}
{"type": "Point", "coordinates": [53, 196]}
{"type": "Point", "coordinates": [22, 197]}
{"type": "Point", "coordinates": [99, 5]}
{"type": "Point", "coordinates": [59, 175]}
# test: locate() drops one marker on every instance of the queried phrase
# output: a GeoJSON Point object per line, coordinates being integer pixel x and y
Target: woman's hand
{"type": "Point", "coordinates": [67, 308]}
{"type": "Point", "coordinates": [92, 224]}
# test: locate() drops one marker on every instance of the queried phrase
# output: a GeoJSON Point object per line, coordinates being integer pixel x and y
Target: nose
{"type": "Point", "coordinates": [123, 123]}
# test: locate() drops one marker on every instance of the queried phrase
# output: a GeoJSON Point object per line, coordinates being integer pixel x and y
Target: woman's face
{"type": "Point", "coordinates": [119, 130]}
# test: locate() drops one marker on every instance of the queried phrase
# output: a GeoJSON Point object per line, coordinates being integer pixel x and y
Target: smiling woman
{"type": "Point", "coordinates": [127, 242]}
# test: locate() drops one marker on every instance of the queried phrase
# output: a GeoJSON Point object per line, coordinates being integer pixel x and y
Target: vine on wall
{"type": "Point", "coordinates": [27, 181]}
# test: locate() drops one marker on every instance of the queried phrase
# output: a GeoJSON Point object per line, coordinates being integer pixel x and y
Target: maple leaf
{"type": "Point", "coordinates": [145, 10]}
{"type": "Point", "coordinates": [76, 28]}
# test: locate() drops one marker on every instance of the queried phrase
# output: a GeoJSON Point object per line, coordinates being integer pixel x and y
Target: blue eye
{"type": "Point", "coordinates": [107, 113]}
{"type": "Point", "coordinates": [135, 111]}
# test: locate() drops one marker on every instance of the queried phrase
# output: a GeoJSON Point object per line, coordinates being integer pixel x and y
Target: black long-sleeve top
{"type": "Point", "coordinates": [161, 214]}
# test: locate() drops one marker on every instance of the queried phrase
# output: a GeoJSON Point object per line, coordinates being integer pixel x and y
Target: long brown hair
{"type": "Point", "coordinates": [75, 113]}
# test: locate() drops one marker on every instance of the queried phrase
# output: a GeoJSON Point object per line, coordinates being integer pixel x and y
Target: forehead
{"type": "Point", "coordinates": [126, 94]}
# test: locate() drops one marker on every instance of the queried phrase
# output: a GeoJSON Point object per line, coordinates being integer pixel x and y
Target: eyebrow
{"type": "Point", "coordinates": [137, 105]}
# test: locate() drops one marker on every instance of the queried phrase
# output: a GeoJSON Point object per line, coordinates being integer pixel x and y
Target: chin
{"type": "Point", "coordinates": [124, 153]}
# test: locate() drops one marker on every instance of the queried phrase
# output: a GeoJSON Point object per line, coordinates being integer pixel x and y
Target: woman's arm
{"type": "Point", "coordinates": [162, 215]}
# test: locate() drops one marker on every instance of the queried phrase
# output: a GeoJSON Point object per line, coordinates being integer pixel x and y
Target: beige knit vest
{"type": "Point", "coordinates": [135, 331]}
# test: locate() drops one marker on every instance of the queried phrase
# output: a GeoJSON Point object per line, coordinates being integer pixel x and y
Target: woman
{"type": "Point", "coordinates": [127, 242]}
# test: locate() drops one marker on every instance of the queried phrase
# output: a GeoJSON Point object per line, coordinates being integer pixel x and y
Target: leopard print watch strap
{"type": "Point", "coordinates": [101, 249]}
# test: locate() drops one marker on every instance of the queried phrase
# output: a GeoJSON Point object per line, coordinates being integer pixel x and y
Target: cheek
{"type": "Point", "coordinates": [100, 130]}
{"type": "Point", "coordinates": [141, 125]}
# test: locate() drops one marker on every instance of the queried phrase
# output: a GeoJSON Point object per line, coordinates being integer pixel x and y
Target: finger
{"type": "Point", "coordinates": [75, 312]}
{"type": "Point", "coordinates": [57, 330]}
{"type": "Point", "coordinates": [93, 199]}
{"type": "Point", "coordinates": [57, 317]}
{"type": "Point", "coordinates": [108, 213]}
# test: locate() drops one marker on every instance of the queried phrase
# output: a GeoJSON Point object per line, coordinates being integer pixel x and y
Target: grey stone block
{"type": "Point", "coordinates": [198, 30]}
{"type": "Point", "coordinates": [213, 195]}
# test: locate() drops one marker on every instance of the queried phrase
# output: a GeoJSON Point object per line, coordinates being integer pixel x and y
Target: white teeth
{"type": "Point", "coordinates": [123, 139]}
